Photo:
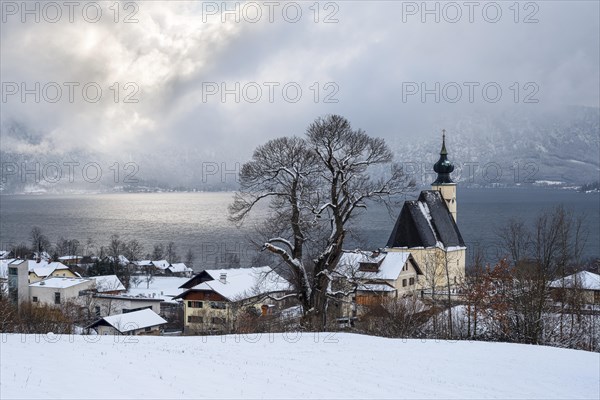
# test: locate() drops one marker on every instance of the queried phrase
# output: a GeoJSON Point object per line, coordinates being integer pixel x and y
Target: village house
{"type": "Point", "coordinates": [213, 299]}
{"type": "Point", "coordinates": [366, 278]}
{"type": "Point", "coordinates": [39, 270]}
{"type": "Point", "coordinates": [58, 290]}
{"type": "Point", "coordinates": [70, 260]}
{"type": "Point", "coordinates": [141, 322]}
{"type": "Point", "coordinates": [106, 304]}
{"type": "Point", "coordinates": [179, 269]}
{"type": "Point", "coordinates": [584, 283]}
{"type": "Point", "coordinates": [161, 267]}
{"type": "Point", "coordinates": [108, 284]}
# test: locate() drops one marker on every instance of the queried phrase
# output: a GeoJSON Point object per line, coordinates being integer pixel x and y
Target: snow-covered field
{"type": "Point", "coordinates": [289, 366]}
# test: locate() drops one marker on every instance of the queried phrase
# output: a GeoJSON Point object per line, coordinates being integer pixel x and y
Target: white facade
{"type": "Point", "coordinates": [105, 305]}
{"type": "Point", "coordinates": [57, 291]}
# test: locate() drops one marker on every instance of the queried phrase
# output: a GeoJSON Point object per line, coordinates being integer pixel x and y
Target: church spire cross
{"type": "Point", "coordinates": [443, 151]}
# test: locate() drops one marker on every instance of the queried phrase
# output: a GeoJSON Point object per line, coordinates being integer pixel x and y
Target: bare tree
{"type": "Point", "coordinates": [136, 280]}
{"type": "Point", "coordinates": [21, 251]}
{"type": "Point", "coordinates": [39, 241]}
{"type": "Point", "coordinates": [158, 252]}
{"type": "Point", "coordinates": [67, 247]}
{"type": "Point", "coordinates": [171, 253]}
{"type": "Point", "coordinates": [189, 259]}
{"type": "Point", "coordinates": [557, 238]}
{"type": "Point", "coordinates": [133, 250]}
{"type": "Point", "coordinates": [149, 273]}
{"type": "Point", "coordinates": [89, 246]}
{"type": "Point", "coordinates": [315, 186]}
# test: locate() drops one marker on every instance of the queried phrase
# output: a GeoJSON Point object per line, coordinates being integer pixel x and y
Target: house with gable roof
{"type": "Point", "coordinates": [584, 283]}
{"type": "Point", "coordinates": [370, 276]}
{"type": "Point", "coordinates": [213, 298]}
{"type": "Point", "coordinates": [40, 269]}
{"type": "Point", "coordinates": [141, 322]}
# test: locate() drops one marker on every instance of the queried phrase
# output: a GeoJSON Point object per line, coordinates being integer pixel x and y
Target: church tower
{"type": "Point", "coordinates": [444, 184]}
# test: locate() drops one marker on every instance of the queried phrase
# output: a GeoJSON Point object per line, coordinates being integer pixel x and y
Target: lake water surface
{"type": "Point", "coordinates": [198, 221]}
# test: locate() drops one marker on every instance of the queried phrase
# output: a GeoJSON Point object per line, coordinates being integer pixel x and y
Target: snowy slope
{"type": "Point", "coordinates": [306, 366]}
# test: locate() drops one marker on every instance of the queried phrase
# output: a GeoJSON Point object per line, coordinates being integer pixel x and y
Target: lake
{"type": "Point", "coordinates": [198, 221]}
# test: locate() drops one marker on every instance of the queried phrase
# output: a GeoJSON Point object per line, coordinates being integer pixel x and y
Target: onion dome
{"type": "Point", "coordinates": [443, 166]}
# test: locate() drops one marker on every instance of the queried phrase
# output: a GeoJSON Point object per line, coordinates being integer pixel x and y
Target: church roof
{"type": "Point", "coordinates": [426, 222]}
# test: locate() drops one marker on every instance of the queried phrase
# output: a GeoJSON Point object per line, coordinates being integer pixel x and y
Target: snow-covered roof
{"type": "Point", "coordinates": [390, 264]}
{"type": "Point", "coordinates": [4, 253]}
{"type": "Point", "coordinates": [43, 268]}
{"type": "Point", "coordinates": [179, 267]}
{"type": "Point", "coordinates": [143, 263]}
{"type": "Point", "coordinates": [59, 282]}
{"type": "Point", "coordinates": [243, 283]}
{"type": "Point", "coordinates": [583, 279]}
{"type": "Point", "coordinates": [133, 320]}
{"type": "Point", "coordinates": [108, 283]}
{"type": "Point", "coordinates": [161, 264]}
{"type": "Point", "coordinates": [68, 258]}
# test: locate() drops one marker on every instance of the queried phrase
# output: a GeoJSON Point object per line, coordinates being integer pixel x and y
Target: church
{"type": "Point", "coordinates": [427, 228]}
{"type": "Point", "coordinates": [425, 252]}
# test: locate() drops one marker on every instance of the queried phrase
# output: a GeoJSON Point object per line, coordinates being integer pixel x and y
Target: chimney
{"type": "Point", "coordinates": [223, 277]}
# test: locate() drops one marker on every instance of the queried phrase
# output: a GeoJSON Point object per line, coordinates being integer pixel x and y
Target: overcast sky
{"type": "Point", "coordinates": [178, 56]}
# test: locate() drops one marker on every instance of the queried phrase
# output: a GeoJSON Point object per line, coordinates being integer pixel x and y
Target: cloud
{"type": "Point", "coordinates": [366, 58]}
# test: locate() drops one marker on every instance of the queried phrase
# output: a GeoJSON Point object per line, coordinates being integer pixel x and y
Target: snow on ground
{"type": "Point", "coordinates": [289, 366]}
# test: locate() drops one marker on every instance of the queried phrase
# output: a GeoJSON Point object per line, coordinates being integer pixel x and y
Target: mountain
{"type": "Point", "coordinates": [513, 148]}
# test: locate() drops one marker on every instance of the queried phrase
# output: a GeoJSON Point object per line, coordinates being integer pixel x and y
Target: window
{"type": "Point", "coordinates": [368, 267]}
{"type": "Point", "coordinates": [148, 329]}
{"type": "Point", "coordinates": [194, 319]}
{"type": "Point", "coordinates": [411, 281]}
{"type": "Point", "coordinates": [218, 321]}
{"type": "Point", "coordinates": [403, 282]}
{"type": "Point", "coordinates": [13, 271]}
{"type": "Point", "coordinates": [56, 297]}
{"type": "Point", "coordinates": [35, 299]}
{"type": "Point", "coordinates": [97, 310]}
{"type": "Point", "coordinates": [195, 304]}
{"type": "Point", "coordinates": [218, 305]}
